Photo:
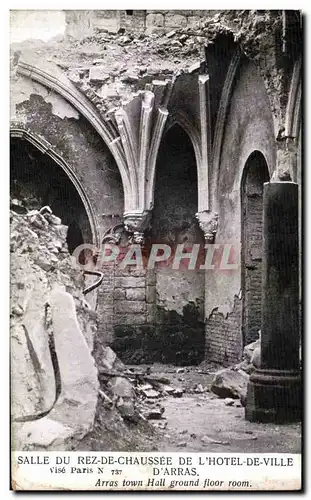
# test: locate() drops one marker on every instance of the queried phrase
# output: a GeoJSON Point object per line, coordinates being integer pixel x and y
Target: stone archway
{"type": "Point", "coordinates": [180, 336]}
{"type": "Point", "coordinates": [254, 175]}
{"type": "Point", "coordinates": [40, 177]}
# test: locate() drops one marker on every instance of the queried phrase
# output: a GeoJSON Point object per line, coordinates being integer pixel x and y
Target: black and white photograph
{"type": "Point", "coordinates": [156, 336]}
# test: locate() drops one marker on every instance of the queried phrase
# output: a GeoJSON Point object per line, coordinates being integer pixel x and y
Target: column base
{"type": "Point", "coordinates": [274, 396]}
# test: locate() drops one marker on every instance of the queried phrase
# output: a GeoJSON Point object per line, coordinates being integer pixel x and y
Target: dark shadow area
{"type": "Point", "coordinates": [178, 334]}
{"type": "Point", "coordinates": [36, 180]}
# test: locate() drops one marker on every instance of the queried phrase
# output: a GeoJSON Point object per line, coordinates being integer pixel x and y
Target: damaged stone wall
{"type": "Point", "coordinates": [272, 41]}
{"type": "Point", "coordinates": [128, 305]}
{"type": "Point", "coordinates": [249, 127]}
{"type": "Point", "coordinates": [44, 113]}
{"type": "Point", "coordinates": [85, 23]}
{"type": "Point", "coordinates": [169, 19]}
{"type": "Point", "coordinates": [224, 341]}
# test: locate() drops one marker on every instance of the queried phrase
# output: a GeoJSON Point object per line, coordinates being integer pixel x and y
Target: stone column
{"type": "Point", "coordinates": [274, 390]}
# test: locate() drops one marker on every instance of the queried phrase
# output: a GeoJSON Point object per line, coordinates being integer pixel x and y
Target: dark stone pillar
{"type": "Point", "coordinates": [274, 390]}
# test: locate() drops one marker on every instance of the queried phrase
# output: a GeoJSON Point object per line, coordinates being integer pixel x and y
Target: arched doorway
{"type": "Point", "coordinates": [37, 180]}
{"type": "Point", "coordinates": [254, 175]}
{"type": "Point", "coordinates": [180, 336]}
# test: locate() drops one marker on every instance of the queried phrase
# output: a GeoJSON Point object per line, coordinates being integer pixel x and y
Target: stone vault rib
{"type": "Point", "coordinates": [140, 140]}
{"type": "Point", "coordinates": [220, 122]}
{"type": "Point", "coordinates": [64, 88]}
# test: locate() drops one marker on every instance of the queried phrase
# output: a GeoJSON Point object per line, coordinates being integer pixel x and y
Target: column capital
{"type": "Point", "coordinates": [137, 223]}
{"type": "Point", "coordinates": [208, 222]}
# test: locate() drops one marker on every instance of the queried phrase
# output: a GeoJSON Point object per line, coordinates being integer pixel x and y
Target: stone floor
{"type": "Point", "coordinates": [198, 423]}
{"type": "Point", "coordinates": [195, 422]}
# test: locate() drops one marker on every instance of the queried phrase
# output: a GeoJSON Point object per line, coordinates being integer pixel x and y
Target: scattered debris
{"type": "Point", "coordinates": [199, 389]}
{"type": "Point", "coordinates": [229, 401]}
{"type": "Point", "coordinates": [207, 440]}
{"type": "Point", "coordinates": [150, 393]}
{"type": "Point", "coordinates": [229, 383]}
{"type": "Point", "coordinates": [127, 409]}
{"type": "Point", "coordinates": [154, 413]}
{"type": "Point", "coordinates": [238, 404]}
{"type": "Point", "coordinates": [178, 393]}
{"type": "Point", "coordinates": [110, 361]}
{"type": "Point", "coordinates": [160, 425]}
{"type": "Point", "coordinates": [17, 310]}
{"type": "Point", "coordinates": [105, 398]}
{"type": "Point", "coordinates": [168, 389]}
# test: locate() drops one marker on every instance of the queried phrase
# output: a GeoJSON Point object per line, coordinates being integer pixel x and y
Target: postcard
{"type": "Point", "coordinates": [156, 250]}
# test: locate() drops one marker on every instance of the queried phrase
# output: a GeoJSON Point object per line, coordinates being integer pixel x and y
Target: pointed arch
{"type": "Point", "coordinates": [62, 86]}
{"type": "Point", "coordinates": [45, 147]}
{"type": "Point", "coordinates": [180, 118]}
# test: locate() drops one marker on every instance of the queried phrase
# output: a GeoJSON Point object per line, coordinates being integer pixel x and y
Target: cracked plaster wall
{"type": "Point", "coordinates": [249, 127]}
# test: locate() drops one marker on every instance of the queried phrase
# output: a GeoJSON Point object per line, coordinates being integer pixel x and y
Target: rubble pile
{"type": "Point", "coordinates": [52, 329]}
{"type": "Point", "coordinates": [47, 371]}
{"type": "Point", "coordinates": [39, 253]}
{"type": "Point", "coordinates": [111, 68]}
{"type": "Point", "coordinates": [135, 393]}
{"type": "Point", "coordinates": [231, 383]}
{"type": "Point", "coordinates": [43, 277]}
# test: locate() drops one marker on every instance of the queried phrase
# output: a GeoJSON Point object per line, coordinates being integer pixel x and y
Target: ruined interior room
{"type": "Point", "coordinates": [163, 148]}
